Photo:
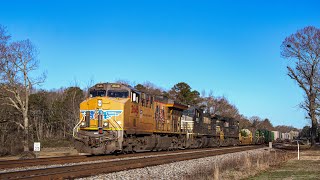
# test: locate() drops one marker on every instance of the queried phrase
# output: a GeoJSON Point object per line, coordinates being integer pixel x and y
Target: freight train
{"type": "Point", "coordinates": [261, 136]}
{"type": "Point", "coordinates": [116, 118]}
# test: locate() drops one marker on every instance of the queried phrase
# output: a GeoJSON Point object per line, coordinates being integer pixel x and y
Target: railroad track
{"type": "Point", "coordinates": [117, 164]}
{"type": "Point", "coordinates": [9, 164]}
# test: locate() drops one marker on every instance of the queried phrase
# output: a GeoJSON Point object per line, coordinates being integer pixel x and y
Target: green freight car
{"type": "Point", "coordinates": [263, 136]}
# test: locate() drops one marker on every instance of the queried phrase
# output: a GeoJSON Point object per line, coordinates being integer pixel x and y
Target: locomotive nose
{"type": "Point", "coordinates": [94, 119]}
{"type": "Point", "coordinates": [93, 114]}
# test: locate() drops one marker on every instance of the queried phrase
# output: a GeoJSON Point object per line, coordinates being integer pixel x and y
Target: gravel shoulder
{"type": "Point", "coordinates": [48, 152]}
{"type": "Point", "coordinates": [229, 166]}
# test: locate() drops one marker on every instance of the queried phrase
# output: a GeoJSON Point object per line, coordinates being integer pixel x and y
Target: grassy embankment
{"type": "Point", "coordinates": [240, 165]}
{"type": "Point", "coordinates": [308, 167]}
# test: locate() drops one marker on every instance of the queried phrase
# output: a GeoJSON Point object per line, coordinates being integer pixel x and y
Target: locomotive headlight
{"type": "Point", "coordinates": [99, 102]}
{"type": "Point", "coordinates": [105, 124]}
{"type": "Point", "coordinates": [83, 123]}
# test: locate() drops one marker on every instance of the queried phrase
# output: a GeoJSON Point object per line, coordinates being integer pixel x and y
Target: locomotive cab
{"type": "Point", "coordinates": [96, 110]}
{"type": "Point", "coordinates": [100, 129]}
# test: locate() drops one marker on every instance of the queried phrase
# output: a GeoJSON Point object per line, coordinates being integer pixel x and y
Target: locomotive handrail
{"type": "Point", "coordinates": [117, 124]}
{"type": "Point", "coordinates": [75, 129]}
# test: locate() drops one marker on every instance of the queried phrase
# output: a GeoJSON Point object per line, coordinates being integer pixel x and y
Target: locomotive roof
{"type": "Point", "coordinates": [113, 86]}
{"type": "Point", "coordinates": [169, 102]}
{"type": "Point", "coordinates": [215, 116]}
{"type": "Point", "coordinates": [221, 118]}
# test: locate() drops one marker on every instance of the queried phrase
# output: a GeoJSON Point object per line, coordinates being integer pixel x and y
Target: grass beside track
{"type": "Point", "coordinates": [308, 167]}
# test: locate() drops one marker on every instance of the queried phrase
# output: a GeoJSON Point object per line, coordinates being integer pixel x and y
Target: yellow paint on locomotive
{"type": "Point", "coordinates": [246, 137]}
{"type": "Point", "coordinates": [220, 132]}
{"type": "Point", "coordinates": [117, 116]}
{"type": "Point", "coordinates": [142, 118]}
{"type": "Point", "coordinates": [136, 117]}
{"type": "Point", "coordinates": [114, 121]}
{"type": "Point", "coordinates": [221, 135]}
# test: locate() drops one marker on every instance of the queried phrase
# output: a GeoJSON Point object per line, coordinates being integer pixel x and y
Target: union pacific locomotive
{"type": "Point", "coordinates": [118, 118]}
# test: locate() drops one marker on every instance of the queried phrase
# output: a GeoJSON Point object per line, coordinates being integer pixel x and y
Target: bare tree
{"type": "Point", "coordinates": [3, 45]}
{"type": "Point", "coordinates": [244, 122]}
{"type": "Point", "coordinates": [18, 60]}
{"type": "Point", "coordinates": [303, 49]}
{"type": "Point", "coordinates": [224, 108]}
{"type": "Point", "coordinates": [149, 88]}
{"type": "Point", "coordinates": [89, 84]}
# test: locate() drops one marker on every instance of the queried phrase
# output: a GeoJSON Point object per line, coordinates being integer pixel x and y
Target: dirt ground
{"type": "Point", "coordinates": [49, 152]}
{"type": "Point", "coordinates": [308, 167]}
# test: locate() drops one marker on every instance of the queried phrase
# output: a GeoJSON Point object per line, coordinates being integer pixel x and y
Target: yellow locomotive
{"type": "Point", "coordinates": [119, 118]}
{"type": "Point", "coordinates": [116, 117]}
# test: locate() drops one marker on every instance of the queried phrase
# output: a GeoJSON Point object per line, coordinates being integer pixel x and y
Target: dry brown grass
{"type": "Point", "coordinates": [241, 165]}
{"type": "Point", "coordinates": [306, 168]}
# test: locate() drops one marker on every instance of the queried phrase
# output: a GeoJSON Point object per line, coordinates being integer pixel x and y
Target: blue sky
{"type": "Point", "coordinates": [229, 47]}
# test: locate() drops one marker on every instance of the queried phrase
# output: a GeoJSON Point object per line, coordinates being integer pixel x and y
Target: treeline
{"type": "Point", "coordinates": [53, 114]}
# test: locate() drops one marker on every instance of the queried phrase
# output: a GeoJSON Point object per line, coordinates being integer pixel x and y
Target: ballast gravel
{"type": "Point", "coordinates": [180, 170]}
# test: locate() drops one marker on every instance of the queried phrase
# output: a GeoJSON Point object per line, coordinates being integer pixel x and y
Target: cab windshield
{"type": "Point", "coordinates": [98, 93]}
{"type": "Point", "coordinates": [189, 112]}
{"type": "Point", "coordinates": [118, 94]}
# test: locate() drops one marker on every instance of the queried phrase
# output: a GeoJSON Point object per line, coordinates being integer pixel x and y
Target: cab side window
{"type": "Point", "coordinates": [143, 99]}
{"type": "Point", "coordinates": [135, 97]}
{"type": "Point", "coordinates": [118, 94]}
{"type": "Point", "coordinates": [151, 102]}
